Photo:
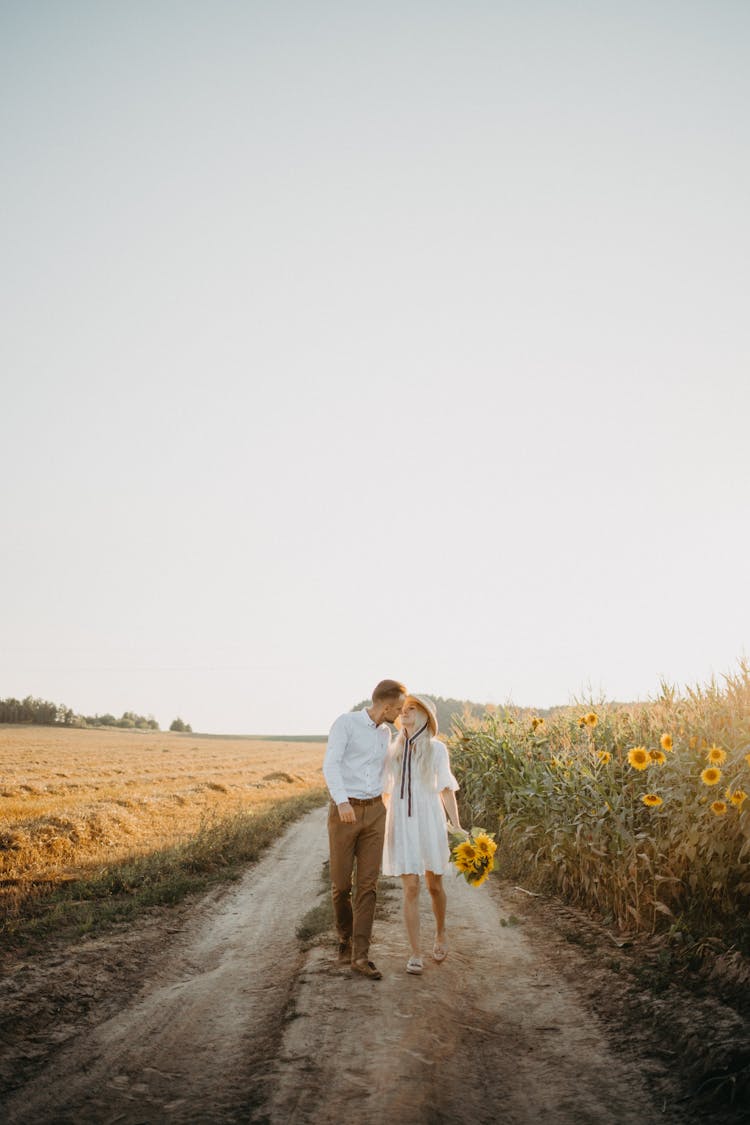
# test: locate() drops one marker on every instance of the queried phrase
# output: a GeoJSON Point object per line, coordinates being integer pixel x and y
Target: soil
{"type": "Point", "coordinates": [213, 1011]}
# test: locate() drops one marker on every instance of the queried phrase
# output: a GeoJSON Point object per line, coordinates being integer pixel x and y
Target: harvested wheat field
{"type": "Point", "coordinates": [72, 800]}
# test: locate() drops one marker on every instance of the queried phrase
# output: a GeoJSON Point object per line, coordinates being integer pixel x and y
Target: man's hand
{"type": "Point", "coordinates": [346, 813]}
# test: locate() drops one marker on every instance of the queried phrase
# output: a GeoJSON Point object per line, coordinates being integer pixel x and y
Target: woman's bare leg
{"type": "Point", "coordinates": [439, 903]}
{"type": "Point", "coordinates": [410, 884]}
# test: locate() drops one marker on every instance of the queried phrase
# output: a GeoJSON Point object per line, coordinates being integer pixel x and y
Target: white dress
{"type": "Point", "coordinates": [417, 843]}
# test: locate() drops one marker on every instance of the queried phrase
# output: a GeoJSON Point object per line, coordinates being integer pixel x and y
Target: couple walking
{"type": "Point", "coordinates": [389, 800]}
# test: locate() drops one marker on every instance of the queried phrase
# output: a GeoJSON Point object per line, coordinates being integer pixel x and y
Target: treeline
{"type": "Point", "coordinates": [446, 709]}
{"type": "Point", "coordinates": [128, 721]}
{"type": "Point", "coordinates": [43, 713]}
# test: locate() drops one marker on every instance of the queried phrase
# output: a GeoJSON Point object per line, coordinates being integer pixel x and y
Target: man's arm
{"type": "Point", "coordinates": [337, 740]}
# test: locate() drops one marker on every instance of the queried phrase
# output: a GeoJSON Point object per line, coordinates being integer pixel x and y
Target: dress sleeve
{"type": "Point", "coordinates": [389, 771]}
{"type": "Point", "coordinates": [443, 776]}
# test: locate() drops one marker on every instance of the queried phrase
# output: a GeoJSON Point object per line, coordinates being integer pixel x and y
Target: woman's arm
{"type": "Point", "coordinates": [448, 797]}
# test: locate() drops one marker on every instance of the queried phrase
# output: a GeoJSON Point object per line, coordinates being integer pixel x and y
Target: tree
{"type": "Point", "coordinates": [178, 725]}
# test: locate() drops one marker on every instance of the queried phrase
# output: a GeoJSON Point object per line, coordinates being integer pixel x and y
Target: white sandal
{"type": "Point", "coordinates": [414, 965]}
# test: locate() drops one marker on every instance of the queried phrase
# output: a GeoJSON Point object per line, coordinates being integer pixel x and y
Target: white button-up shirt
{"type": "Point", "coordinates": [355, 757]}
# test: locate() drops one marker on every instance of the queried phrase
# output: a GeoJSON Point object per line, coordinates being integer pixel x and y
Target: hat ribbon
{"type": "Point", "coordinates": [406, 767]}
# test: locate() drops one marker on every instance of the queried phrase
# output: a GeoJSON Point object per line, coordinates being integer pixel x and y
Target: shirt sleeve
{"type": "Point", "coordinates": [337, 740]}
{"type": "Point", "coordinates": [443, 776]}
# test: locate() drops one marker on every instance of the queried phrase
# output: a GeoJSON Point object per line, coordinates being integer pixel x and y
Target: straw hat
{"type": "Point", "coordinates": [428, 706]}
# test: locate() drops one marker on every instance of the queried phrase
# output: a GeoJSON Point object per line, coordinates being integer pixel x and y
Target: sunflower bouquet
{"type": "Point", "coordinates": [473, 855]}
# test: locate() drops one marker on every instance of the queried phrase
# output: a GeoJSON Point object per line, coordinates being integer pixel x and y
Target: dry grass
{"type": "Point", "coordinates": [73, 801]}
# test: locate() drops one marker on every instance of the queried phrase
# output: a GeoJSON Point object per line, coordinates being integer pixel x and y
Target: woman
{"type": "Point", "coordinates": [422, 789]}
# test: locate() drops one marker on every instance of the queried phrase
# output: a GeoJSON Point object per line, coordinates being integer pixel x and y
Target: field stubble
{"type": "Point", "coordinates": [75, 802]}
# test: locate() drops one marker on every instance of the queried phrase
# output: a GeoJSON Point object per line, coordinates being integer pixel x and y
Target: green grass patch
{"type": "Point", "coordinates": [218, 852]}
{"type": "Point", "coordinates": [318, 920]}
{"type": "Point", "coordinates": [319, 924]}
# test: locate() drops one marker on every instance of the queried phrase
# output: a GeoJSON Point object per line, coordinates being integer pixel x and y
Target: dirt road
{"type": "Point", "coordinates": [229, 1021]}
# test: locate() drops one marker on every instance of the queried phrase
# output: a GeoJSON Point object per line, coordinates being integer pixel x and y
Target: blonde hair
{"type": "Point", "coordinates": [423, 755]}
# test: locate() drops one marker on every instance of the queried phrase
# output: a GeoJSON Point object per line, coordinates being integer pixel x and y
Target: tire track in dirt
{"type": "Point", "coordinates": [491, 1034]}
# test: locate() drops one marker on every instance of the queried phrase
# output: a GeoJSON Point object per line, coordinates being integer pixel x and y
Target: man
{"type": "Point", "coordinates": [353, 769]}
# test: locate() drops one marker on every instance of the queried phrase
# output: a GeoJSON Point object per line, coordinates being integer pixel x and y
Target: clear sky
{"type": "Point", "coordinates": [356, 340]}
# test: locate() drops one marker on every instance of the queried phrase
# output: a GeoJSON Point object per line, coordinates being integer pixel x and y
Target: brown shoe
{"type": "Point", "coordinates": [345, 952]}
{"type": "Point", "coordinates": [366, 968]}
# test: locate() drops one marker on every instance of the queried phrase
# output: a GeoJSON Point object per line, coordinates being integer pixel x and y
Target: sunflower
{"type": "Point", "coordinates": [591, 719]}
{"type": "Point", "coordinates": [639, 757]}
{"type": "Point", "coordinates": [473, 854]}
{"type": "Point", "coordinates": [718, 808]}
{"type": "Point", "coordinates": [604, 756]}
{"type": "Point", "coordinates": [738, 798]}
{"type": "Point", "coordinates": [666, 742]}
{"type": "Point", "coordinates": [536, 722]}
{"type": "Point", "coordinates": [465, 853]}
{"type": "Point", "coordinates": [484, 844]}
{"type": "Point", "coordinates": [657, 756]}
{"type": "Point", "coordinates": [716, 755]}
{"type": "Point", "coordinates": [652, 800]}
{"type": "Point", "coordinates": [582, 721]}
{"type": "Point", "coordinates": [693, 743]}
{"type": "Point", "coordinates": [711, 776]}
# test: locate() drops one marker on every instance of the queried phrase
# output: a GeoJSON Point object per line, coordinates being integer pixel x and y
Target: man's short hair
{"type": "Point", "coordinates": [388, 689]}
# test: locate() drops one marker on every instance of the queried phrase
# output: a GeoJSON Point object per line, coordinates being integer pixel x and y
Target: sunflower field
{"type": "Point", "coordinates": [640, 812]}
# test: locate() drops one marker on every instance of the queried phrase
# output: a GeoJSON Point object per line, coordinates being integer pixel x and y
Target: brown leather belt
{"type": "Point", "coordinates": [364, 800]}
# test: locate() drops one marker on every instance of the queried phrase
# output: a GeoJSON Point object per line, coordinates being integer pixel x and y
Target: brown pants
{"type": "Point", "coordinates": [363, 842]}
